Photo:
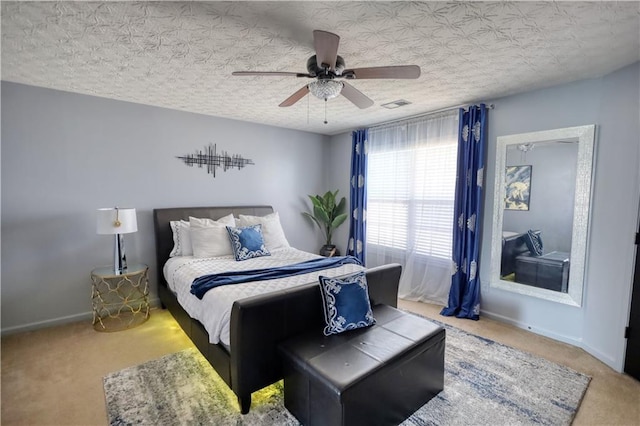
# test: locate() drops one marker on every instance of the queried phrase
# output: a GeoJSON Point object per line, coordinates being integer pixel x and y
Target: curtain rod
{"type": "Point", "coordinates": [425, 114]}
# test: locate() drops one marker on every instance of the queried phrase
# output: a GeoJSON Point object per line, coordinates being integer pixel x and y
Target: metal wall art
{"type": "Point", "coordinates": [212, 160]}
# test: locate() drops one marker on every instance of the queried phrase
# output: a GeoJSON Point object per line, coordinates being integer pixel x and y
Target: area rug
{"type": "Point", "coordinates": [485, 383]}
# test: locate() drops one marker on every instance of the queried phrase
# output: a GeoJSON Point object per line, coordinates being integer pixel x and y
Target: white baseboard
{"type": "Point", "coordinates": [85, 316]}
{"type": "Point", "coordinates": [543, 332]}
{"type": "Point", "coordinates": [604, 358]}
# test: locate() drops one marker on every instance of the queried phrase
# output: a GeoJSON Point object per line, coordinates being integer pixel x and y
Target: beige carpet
{"type": "Point", "coordinates": [54, 376]}
{"type": "Point", "coordinates": [502, 386]}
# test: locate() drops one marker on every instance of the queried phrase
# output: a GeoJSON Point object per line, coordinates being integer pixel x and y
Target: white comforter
{"type": "Point", "coordinates": [214, 310]}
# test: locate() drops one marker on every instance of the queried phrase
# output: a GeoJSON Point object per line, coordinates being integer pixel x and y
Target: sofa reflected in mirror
{"type": "Point", "coordinates": [540, 251]}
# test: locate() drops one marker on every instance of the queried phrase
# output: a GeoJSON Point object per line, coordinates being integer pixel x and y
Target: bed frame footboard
{"type": "Point", "coordinates": [259, 323]}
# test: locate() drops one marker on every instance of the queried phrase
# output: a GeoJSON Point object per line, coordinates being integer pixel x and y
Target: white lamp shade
{"type": "Point", "coordinates": [117, 221]}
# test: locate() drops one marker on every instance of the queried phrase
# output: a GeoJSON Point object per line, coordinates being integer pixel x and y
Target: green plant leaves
{"type": "Point", "coordinates": [326, 213]}
{"type": "Point", "coordinates": [338, 220]}
{"type": "Point", "coordinates": [341, 206]}
{"type": "Point", "coordinates": [321, 214]}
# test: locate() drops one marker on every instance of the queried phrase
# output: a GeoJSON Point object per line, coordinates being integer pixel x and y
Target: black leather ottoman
{"type": "Point", "coordinates": [373, 376]}
{"type": "Point", "coordinates": [550, 271]}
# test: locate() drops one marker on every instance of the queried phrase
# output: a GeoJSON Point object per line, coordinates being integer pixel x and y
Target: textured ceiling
{"type": "Point", "coordinates": [180, 55]}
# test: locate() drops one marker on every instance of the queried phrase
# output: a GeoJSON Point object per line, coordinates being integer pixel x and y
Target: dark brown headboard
{"type": "Point", "coordinates": [162, 230]}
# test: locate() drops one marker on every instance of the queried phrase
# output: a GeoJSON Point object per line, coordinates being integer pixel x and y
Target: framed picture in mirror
{"type": "Point", "coordinates": [517, 187]}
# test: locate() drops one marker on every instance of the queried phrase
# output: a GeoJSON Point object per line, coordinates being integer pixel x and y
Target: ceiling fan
{"type": "Point", "coordinates": [326, 66]}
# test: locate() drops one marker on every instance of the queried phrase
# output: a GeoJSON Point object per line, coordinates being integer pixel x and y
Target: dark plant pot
{"type": "Point", "coordinates": [329, 250]}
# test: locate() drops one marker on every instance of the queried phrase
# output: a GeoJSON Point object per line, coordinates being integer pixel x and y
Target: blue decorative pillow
{"type": "Point", "coordinates": [247, 242]}
{"type": "Point", "coordinates": [534, 242]}
{"type": "Point", "coordinates": [346, 303]}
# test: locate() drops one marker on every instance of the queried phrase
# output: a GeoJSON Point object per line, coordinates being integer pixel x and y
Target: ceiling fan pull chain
{"type": "Point", "coordinates": [325, 111]}
{"type": "Point", "coordinates": [308, 108]}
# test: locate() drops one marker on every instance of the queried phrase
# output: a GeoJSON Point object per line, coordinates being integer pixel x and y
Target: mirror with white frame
{"type": "Point", "coordinates": [541, 213]}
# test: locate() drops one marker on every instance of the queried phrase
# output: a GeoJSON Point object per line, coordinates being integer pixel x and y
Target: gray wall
{"type": "Point", "coordinates": [553, 177]}
{"type": "Point", "coordinates": [65, 155]}
{"type": "Point", "coordinates": [339, 159]}
{"type": "Point", "coordinates": [612, 103]}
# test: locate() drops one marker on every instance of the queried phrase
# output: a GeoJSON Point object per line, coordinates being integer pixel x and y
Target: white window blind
{"type": "Point", "coordinates": [411, 191]}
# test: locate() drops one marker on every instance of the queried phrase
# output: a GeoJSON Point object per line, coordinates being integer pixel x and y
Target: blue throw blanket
{"type": "Point", "coordinates": [206, 282]}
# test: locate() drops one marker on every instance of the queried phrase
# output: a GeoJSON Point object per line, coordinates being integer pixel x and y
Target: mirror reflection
{"type": "Point", "coordinates": [541, 213]}
{"type": "Point", "coordinates": [538, 213]}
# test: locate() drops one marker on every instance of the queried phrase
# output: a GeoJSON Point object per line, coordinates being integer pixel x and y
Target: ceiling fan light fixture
{"type": "Point", "coordinates": [325, 89]}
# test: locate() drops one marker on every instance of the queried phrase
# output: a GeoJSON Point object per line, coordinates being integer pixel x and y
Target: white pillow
{"type": "Point", "coordinates": [226, 220]}
{"type": "Point", "coordinates": [181, 238]}
{"type": "Point", "coordinates": [182, 235]}
{"type": "Point", "coordinates": [209, 238]}
{"type": "Point", "coordinates": [272, 231]}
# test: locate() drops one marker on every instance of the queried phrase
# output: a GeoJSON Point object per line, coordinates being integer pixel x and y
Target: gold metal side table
{"type": "Point", "coordinates": [120, 301]}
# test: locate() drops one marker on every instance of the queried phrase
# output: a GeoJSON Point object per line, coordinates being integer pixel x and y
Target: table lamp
{"type": "Point", "coordinates": [117, 221]}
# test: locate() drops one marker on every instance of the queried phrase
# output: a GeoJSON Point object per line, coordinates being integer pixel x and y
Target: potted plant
{"type": "Point", "coordinates": [328, 215]}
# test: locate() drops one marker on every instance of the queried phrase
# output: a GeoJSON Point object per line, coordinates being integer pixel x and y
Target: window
{"type": "Point", "coordinates": [411, 188]}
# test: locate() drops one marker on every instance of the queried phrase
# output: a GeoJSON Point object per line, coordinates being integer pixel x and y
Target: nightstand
{"type": "Point", "coordinates": [120, 301]}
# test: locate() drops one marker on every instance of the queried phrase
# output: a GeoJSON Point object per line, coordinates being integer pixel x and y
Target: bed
{"type": "Point", "coordinates": [248, 359]}
{"type": "Point", "coordinates": [513, 245]}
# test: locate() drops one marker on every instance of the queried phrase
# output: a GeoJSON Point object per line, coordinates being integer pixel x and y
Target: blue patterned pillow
{"type": "Point", "coordinates": [346, 303]}
{"type": "Point", "coordinates": [534, 242]}
{"type": "Point", "coordinates": [247, 242]}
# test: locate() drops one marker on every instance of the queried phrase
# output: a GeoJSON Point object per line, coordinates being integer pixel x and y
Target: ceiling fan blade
{"type": "Point", "coordinates": [355, 96]}
{"type": "Point", "coordinates": [398, 71]}
{"type": "Point", "coordinates": [295, 97]}
{"type": "Point", "coordinates": [271, 73]}
{"type": "Point", "coordinates": [326, 45]}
